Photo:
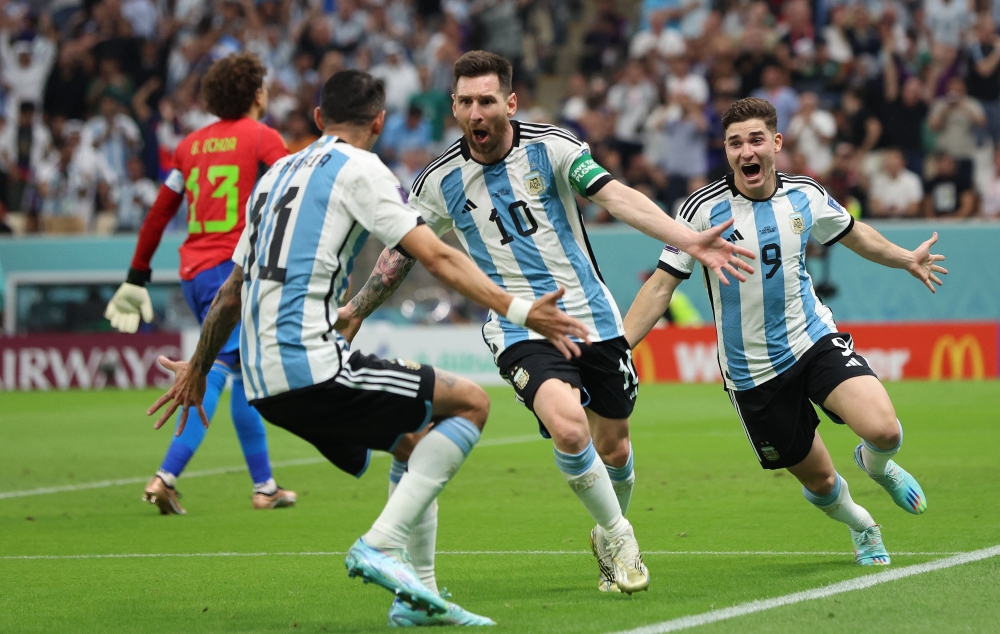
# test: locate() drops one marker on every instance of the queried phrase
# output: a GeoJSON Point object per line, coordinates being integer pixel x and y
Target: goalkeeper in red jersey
{"type": "Point", "coordinates": [215, 168]}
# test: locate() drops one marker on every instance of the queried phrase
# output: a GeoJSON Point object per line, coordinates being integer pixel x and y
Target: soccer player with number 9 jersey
{"type": "Point", "coordinates": [215, 168]}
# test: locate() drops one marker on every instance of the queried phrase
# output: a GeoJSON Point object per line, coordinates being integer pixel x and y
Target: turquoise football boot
{"type": "Point", "coordinates": [403, 615]}
{"type": "Point", "coordinates": [900, 485]}
{"type": "Point", "coordinates": [868, 547]}
{"type": "Point", "coordinates": [392, 571]}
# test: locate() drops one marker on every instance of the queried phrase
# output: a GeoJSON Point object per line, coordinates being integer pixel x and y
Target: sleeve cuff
{"type": "Point", "coordinates": [840, 235]}
{"type": "Point", "coordinates": [139, 278]}
{"type": "Point", "coordinates": [599, 184]}
{"type": "Point", "coordinates": [400, 249]}
{"type": "Point", "coordinates": [681, 275]}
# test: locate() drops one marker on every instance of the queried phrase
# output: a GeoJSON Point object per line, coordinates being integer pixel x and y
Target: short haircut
{"type": "Point", "coordinates": [231, 84]}
{"type": "Point", "coordinates": [751, 108]}
{"type": "Point", "coordinates": [352, 97]}
{"type": "Point", "coordinates": [482, 63]}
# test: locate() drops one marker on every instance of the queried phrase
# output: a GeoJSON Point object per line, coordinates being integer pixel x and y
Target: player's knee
{"type": "Point", "coordinates": [888, 435]}
{"type": "Point", "coordinates": [613, 451]}
{"type": "Point", "coordinates": [570, 435]}
{"type": "Point", "coordinates": [821, 484]}
{"type": "Point", "coordinates": [475, 404]}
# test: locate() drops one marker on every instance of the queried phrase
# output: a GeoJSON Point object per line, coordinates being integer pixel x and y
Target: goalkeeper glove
{"type": "Point", "coordinates": [129, 302]}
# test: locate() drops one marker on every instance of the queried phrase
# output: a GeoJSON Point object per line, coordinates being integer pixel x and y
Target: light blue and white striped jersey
{"type": "Point", "coordinates": [519, 221]}
{"type": "Point", "coordinates": [767, 323]}
{"type": "Point", "coordinates": [307, 219]}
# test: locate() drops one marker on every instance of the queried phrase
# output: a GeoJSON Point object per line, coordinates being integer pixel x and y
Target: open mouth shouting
{"type": "Point", "coordinates": [480, 136]}
{"type": "Point", "coordinates": [752, 173]}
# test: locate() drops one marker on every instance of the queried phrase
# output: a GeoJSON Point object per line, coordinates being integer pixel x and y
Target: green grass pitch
{"type": "Point", "coordinates": [699, 498]}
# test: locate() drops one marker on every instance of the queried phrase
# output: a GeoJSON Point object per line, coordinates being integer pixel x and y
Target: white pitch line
{"type": "Point", "coordinates": [850, 585]}
{"type": "Point", "coordinates": [103, 484]}
{"type": "Point", "coordinates": [444, 552]}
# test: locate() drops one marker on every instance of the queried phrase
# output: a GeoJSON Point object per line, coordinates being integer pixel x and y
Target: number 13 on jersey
{"type": "Point", "coordinates": [225, 180]}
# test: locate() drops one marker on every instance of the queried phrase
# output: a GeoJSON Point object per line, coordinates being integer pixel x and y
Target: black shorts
{"type": "Point", "coordinates": [603, 373]}
{"type": "Point", "coordinates": [369, 405]}
{"type": "Point", "coordinates": [778, 417]}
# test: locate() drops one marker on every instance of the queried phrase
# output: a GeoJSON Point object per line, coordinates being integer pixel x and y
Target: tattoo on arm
{"type": "Point", "coordinates": [388, 274]}
{"type": "Point", "coordinates": [222, 317]}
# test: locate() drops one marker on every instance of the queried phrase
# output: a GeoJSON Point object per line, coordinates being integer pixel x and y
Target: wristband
{"type": "Point", "coordinates": [517, 312]}
{"type": "Point", "coordinates": [139, 278]}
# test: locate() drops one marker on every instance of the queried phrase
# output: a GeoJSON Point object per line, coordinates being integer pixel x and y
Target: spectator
{"type": "Point", "coordinates": [133, 197]}
{"type": "Point", "coordinates": [990, 190]}
{"type": "Point", "coordinates": [401, 78]}
{"type": "Point", "coordinates": [811, 132]}
{"type": "Point", "coordinates": [298, 131]}
{"type": "Point", "coordinates": [947, 19]}
{"type": "Point", "coordinates": [25, 65]}
{"type": "Point", "coordinates": [774, 88]}
{"type": "Point", "coordinates": [955, 118]}
{"type": "Point", "coordinates": [983, 75]}
{"type": "Point", "coordinates": [680, 80]}
{"type": "Point", "coordinates": [435, 105]}
{"type": "Point", "coordinates": [858, 126]}
{"type": "Point", "coordinates": [681, 128]}
{"type": "Point", "coordinates": [66, 88]}
{"type": "Point", "coordinates": [631, 99]}
{"type": "Point", "coordinates": [69, 184]}
{"type": "Point", "coordinates": [404, 131]}
{"type": "Point", "coordinates": [844, 180]}
{"type": "Point", "coordinates": [903, 115]}
{"type": "Point", "coordinates": [23, 148]}
{"type": "Point", "coordinates": [896, 192]}
{"type": "Point", "coordinates": [949, 194]}
{"type": "Point", "coordinates": [753, 60]}
{"type": "Point", "coordinates": [115, 136]}
{"type": "Point", "coordinates": [346, 28]}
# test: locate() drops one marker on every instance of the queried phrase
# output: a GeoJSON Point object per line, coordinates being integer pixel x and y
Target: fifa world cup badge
{"type": "Point", "coordinates": [798, 224]}
{"type": "Point", "coordinates": [534, 182]}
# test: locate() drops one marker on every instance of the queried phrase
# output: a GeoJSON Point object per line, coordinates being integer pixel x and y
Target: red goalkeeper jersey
{"type": "Point", "coordinates": [215, 168]}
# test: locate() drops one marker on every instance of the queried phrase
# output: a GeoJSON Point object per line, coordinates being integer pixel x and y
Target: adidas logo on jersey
{"type": "Point", "coordinates": [854, 363]}
{"type": "Point", "coordinates": [469, 206]}
{"type": "Point", "coordinates": [736, 235]}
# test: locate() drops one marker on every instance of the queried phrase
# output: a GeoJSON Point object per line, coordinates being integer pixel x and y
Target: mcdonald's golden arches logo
{"type": "Point", "coordinates": [955, 351]}
{"type": "Point", "coordinates": [644, 360]}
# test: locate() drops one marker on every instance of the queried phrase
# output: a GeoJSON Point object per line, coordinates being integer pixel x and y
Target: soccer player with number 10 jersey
{"type": "Point", "coordinates": [216, 168]}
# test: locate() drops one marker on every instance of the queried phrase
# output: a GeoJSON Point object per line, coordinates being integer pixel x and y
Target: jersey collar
{"type": "Point", "coordinates": [463, 144]}
{"type": "Point", "coordinates": [731, 181]}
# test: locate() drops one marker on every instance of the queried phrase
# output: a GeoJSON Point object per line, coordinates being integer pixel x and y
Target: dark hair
{"type": "Point", "coordinates": [353, 97]}
{"type": "Point", "coordinates": [27, 107]}
{"type": "Point", "coordinates": [231, 84]}
{"type": "Point", "coordinates": [481, 63]}
{"type": "Point", "coordinates": [751, 108]}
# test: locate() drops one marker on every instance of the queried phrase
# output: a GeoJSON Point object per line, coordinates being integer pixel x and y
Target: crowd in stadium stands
{"type": "Point", "coordinates": [893, 105]}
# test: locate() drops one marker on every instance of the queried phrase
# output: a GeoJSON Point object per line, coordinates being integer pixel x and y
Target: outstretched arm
{"type": "Point", "coordinates": [872, 245]}
{"type": "Point", "coordinates": [189, 377]}
{"type": "Point", "coordinates": [452, 267]}
{"type": "Point", "coordinates": [649, 305]}
{"type": "Point", "coordinates": [708, 247]}
{"type": "Point", "coordinates": [390, 270]}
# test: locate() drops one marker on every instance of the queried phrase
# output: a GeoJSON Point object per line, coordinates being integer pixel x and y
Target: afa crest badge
{"type": "Point", "coordinates": [410, 365]}
{"type": "Point", "coordinates": [798, 223]}
{"type": "Point", "coordinates": [534, 183]}
{"type": "Point", "coordinates": [520, 378]}
{"type": "Point", "coordinates": [770, 452]}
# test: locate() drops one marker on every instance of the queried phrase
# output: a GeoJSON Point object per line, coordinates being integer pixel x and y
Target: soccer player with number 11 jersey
{"type": "Point", "coordinates": [217, 168]}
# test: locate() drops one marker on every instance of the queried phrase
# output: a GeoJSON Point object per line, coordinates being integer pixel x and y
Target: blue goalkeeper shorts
{"type": "Point", "coordinates": [200, 292]}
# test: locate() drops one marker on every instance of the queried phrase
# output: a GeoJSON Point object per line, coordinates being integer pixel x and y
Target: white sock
{"type": "Point", "coordinates": [623, 481]}
{"type": "Point", "coordinates": [169, 479]}
{"type": "Point", "coordinates": [839, 506]}
{"type": "Point", "coordinates": [588, 477]}
{"type": "Point", "coordinates": [423, 537]}
{"type": "Point", "coordinates": [876, 459]}
{"type": "Point", "coordinates": [267, 488]}
{"type": "Point", "coordinates": [436, 458]}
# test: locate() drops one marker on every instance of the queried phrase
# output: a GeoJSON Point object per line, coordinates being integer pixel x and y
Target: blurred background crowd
{"type": "Point", "coordinates": [894, 105]}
